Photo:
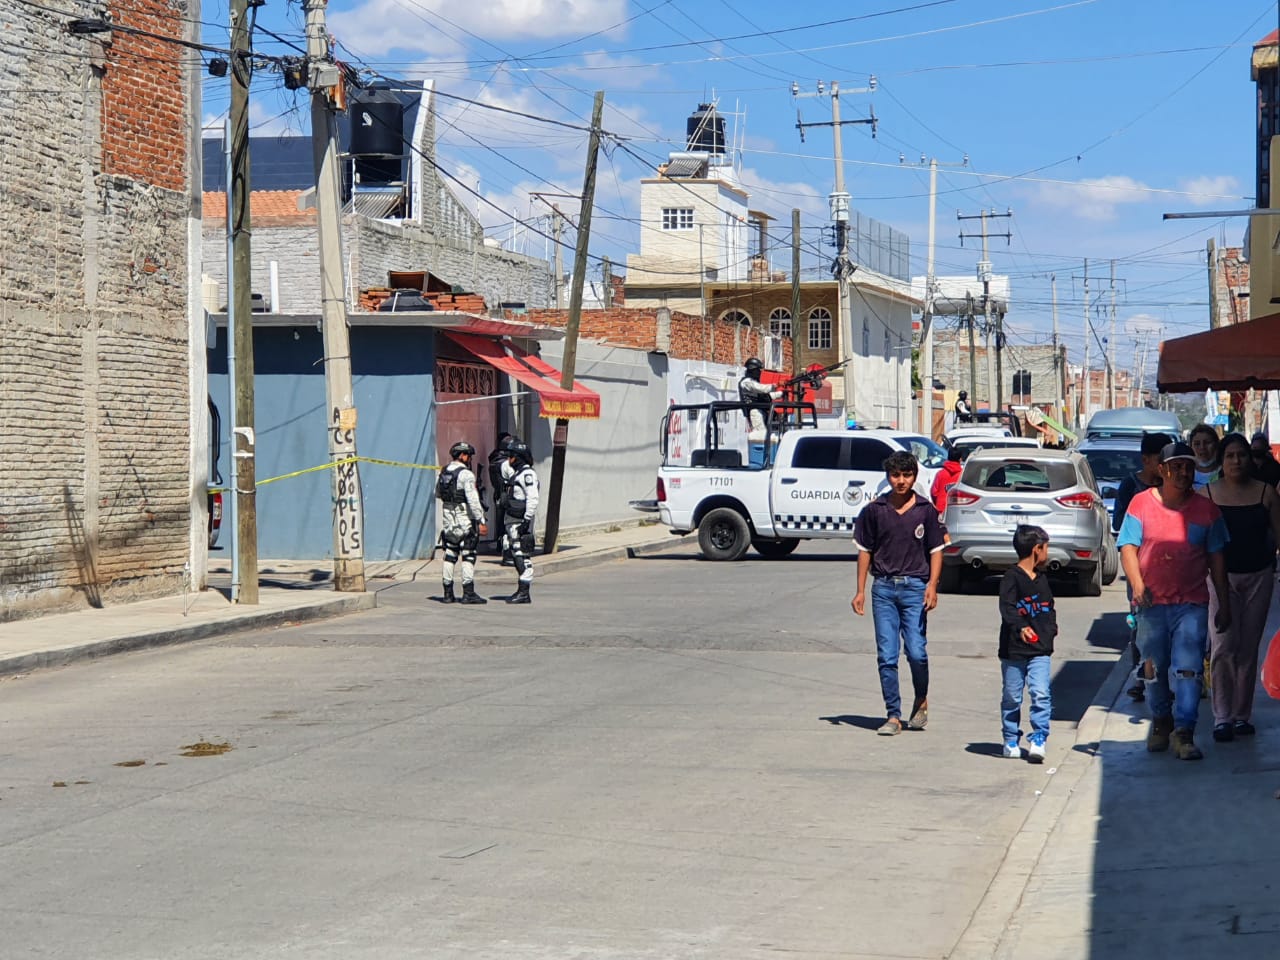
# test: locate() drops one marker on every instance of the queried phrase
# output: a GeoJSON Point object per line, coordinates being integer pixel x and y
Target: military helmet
{"type": "Point", "coordinates": [754, 365]}
{"type": "Point", "coordinates": [461, 447]}
{"type": "Point", "coordinates": [507, 440]}
{"type": "Point", "coordinates": [520, 450]}
{"type": "Point", "coordinates": [964, 395]}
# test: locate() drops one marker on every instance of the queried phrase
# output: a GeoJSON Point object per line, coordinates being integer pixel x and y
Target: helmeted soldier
{"type": "Point", "coordinates": [520, 508]}
{"type": "Point", "coordinates": [499, 475]}
{"type": "Point", "coordinates": [461, 522]}
{"type": "Point", "coordinates": [963, 413]}
{"type": "Point", "coordinates": [751, 390]}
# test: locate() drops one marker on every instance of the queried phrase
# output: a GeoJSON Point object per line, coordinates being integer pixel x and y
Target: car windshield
{"type": "Point", "coordinates": [1113, 464]}
{"type": "Point", "coordinates": [966, 447]}
{"type": "Point", "coordinates": [928, 453]}
{"type": "Point", "coordinates": [1019, 475]}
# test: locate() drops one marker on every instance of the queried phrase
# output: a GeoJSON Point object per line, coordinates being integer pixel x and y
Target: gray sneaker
{"type": "Point", "coordinates": [892, 727]}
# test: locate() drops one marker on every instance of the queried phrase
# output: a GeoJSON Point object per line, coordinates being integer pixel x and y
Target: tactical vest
{"type": "Point", "coordinates": [448, 489]}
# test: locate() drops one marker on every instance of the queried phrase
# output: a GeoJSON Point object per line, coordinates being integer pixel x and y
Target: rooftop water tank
{"type": "Point", "coordinates": [705, 130]}
{"type": "Point", "coordinates": [377, 137]}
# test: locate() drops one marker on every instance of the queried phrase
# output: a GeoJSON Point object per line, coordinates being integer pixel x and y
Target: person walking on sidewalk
{"type": "Point", "coordinates": [1131, 486]}
{"type": "Point", "coordinates": [1169, 542]}
{"type": "Point", "coordinates": [1265, 466]}
{"type": "Point", "coordinates": [1251, 509]}
{"type": "Point", "coordinates": [1028, 625]}
{"type": "Point", "coordinates": [461, 522]}
{"type": "Point", "coordinates": [900, 540]}
{"type": "Point", "coordinates": [521, 506]}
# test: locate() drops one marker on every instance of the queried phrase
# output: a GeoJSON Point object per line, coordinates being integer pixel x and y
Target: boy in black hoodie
{"type": "Point", "coordinates": [1028, 625]}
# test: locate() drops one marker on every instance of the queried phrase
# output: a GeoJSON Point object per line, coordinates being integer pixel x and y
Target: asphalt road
{"type": "Point", "coordinates": [660, 758]}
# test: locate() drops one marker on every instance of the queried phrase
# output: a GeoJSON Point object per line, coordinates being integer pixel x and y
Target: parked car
{"type": "Point", "coordinates": [967, 441]}
{"type": "Point", "coordinates": [1111, 459]}
{"type": "Point", "coordinates": [1054, 489]}
{"type": "Point", "coordinates": [1133, 422]}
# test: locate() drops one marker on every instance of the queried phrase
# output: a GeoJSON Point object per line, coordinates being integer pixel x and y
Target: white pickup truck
{"type": "Point", "coordinates": [812, 485]}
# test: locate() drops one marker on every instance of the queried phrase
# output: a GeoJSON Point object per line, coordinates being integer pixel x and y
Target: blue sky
{"type": "Point", "coordinates": [1089, 119]}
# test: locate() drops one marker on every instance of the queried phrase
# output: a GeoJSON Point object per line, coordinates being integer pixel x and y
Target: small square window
{"type": "Point", "coordinates": [677, 218]}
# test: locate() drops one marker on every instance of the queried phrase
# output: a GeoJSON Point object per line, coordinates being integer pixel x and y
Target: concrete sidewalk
{"type": "Point", "coordinates": [289, 592]}
{"type": "Point", "coordinates": [1130, 854]}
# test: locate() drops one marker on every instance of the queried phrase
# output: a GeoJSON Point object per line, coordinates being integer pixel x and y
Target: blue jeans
{"type": "Point", "coordinates": [1173, 637]}
{"type": "Point", "coordinates": [897, 607]}
{"type": "Point", "coordinates": [1031, 673]}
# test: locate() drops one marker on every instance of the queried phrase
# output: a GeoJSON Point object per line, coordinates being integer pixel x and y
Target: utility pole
{"type": "Point", "coordinates": [842, 267]}
{"type": "Point", "coordinates": [930, 295]}
{"type": "Point", "coordinates": [973, 354]}
{"type": "Point", "coordinates": [240, 322]}
{"type": "Point", "coordinates": [799, 327]}
{"type": "Point", "coordinates": [1088, 335]}
{"type": "Point", "coordinates": [348, 501]}
{"type": "Point", "coordinates": [1058, 383]}
{"type": "Point", "coordinates": [1111, 344]}
{"type": "Point", "coordinates": [560, 439]}
{"type": "Point", "coordinates": [606, 273]}
{"type": "Point", "coordinates": [995, 391]}
{"type": "Point", "coordinates": [556, 231]}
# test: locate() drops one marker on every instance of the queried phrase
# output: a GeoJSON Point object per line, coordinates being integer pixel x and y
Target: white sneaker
{"type": "Point", "coordinates": [1035, 748]}
{"type": "Point", "coordinates": [1012, 751]}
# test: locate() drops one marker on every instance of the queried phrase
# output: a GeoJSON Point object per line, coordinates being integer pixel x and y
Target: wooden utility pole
{"type": "Point", "coordinates": [799, 327]}
{"type": "Point", "coordinates": [240, 321]}
{"type": "Point", "coordinates": [340, 410]}
{"type": "Point", "coordinates": [560, 439]}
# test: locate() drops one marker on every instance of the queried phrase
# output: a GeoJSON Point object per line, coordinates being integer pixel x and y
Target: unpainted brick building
{"type": "Point", "coordinates": [101, 475]}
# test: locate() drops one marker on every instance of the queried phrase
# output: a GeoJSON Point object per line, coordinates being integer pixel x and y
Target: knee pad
{"type": "Point", "coordinates": [450, 553]}
{"type": "Point", "coordinates": [526, 543]}
{"type": "Point", "coordinates": [525, 563]}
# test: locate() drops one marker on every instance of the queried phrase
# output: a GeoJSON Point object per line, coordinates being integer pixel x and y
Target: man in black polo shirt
{"type": "Point", "coordinates": [900, 540]}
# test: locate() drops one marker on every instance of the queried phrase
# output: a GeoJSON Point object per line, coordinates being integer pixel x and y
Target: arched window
{"type": "Point", "coordinates": [780, 322]}
{"type": "Point", "coordinates": [819, 329]}
{"type": "Point", "coordinates": [740, 317]}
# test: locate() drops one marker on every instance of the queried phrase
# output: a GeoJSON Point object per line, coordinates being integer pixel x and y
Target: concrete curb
{"type": "Point", "coordinates": [983, 937]}
{"type": "Point", "coordinates": [252, 620]}
{"type": "Point", "coordinates": [575, 560]}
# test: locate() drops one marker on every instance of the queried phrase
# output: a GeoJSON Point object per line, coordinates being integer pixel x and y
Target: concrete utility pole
{"type": "Point", "coordinates": [606, 274]}
{"type": "Point", "coordinates": [240, 321]}
{"type": "Point", "coordinates": [799, 327]}
{"type": "Point", "coordinates": [340, 409]}
{"type": "Point", "coordinates": [973, 355]}
{"type": "Point", "coordinates": [1111, 345]}
{"type": "Point", "coordinates": [560, 439]}
{"type": "Point", "coordinates": [557, 230]}
{"type": "Point", "coordinates": [995, 389]}
{"type": "Point", "coordinates": [930, 295]}
{"type": "Point", "coordinates": [1088, 335]}
{"type": "Point", "coordinates": [842, 267]}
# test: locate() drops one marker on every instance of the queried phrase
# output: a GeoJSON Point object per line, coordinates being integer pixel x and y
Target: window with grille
{"type": "Point", "coordinates": [739, 317]}
{"type": "Point", "coordinates": [819, 329]}
{"type": "Point", "coordinates": [780, 322]}
{"type": "Point", "coordinates": [677, 218]}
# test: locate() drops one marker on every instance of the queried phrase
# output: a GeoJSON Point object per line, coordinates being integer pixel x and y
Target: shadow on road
{"type": "Point", "coordinates": [854, 720]}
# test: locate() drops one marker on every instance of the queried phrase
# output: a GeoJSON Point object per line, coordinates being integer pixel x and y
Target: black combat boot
{"type": "Point", "coordinates": [448, 594]}
{"type": "Point", "coordinates": [469, 594]}
{"type": "Point", "coordinates": [521, 595]}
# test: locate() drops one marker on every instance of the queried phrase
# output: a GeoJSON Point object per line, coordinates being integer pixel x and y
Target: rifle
{"type": "Point", "coordinates": [812, 378]}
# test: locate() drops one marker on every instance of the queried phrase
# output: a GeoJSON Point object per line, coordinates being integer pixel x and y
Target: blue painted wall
{"type": "Point", "coordinates": [393, 372]}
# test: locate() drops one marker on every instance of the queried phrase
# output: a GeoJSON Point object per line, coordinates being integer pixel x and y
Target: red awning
{"type": "Point", "coordinates": [1237, 357]}
{"type": "Point", "coordinates": [544, 379]}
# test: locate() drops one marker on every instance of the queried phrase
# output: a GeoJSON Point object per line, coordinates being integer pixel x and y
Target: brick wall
{"type": "Point", "coordinates": [690, 337]}
{"type": "Point", "coordinates": [95, 496]}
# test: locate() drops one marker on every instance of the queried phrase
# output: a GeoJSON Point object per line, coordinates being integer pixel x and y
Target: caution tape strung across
{"type": "Point", "coordinates": [336, 463]}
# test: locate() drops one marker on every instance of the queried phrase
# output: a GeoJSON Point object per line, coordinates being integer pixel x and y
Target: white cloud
{"type": "Point", "coordinates": [778, 197]}
{"type": "Point", "coordinates": [424, 25]}
{"type": "Point", "coordinates": [1206, 191]}
{"type": "Point", "coordinates": [1143, 324]}
{"type": "Point", "coordinates": [1093, 199]}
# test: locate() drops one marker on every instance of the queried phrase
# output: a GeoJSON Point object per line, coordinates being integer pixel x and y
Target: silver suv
{"type": "Point", "coordinates": [1054, 489]}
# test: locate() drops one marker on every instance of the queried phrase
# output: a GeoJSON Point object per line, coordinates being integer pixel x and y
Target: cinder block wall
{"type": "Point", "coordinates": [95, 499]}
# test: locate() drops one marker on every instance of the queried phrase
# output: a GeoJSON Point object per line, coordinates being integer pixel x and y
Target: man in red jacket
{"type": "Point", "coordinates": [946, 478]}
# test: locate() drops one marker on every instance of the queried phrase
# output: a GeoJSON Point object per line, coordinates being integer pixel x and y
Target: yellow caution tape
{"type": "Point", "coordinates": [336, 463]}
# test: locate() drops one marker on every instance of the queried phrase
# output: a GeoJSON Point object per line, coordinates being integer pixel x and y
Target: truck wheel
{"type": "Point", "coordinates": [949, 579]}
{"type": "Point", "coordinates": [723, 535]}
{"type": "Point", "coordinates": [774, 549]}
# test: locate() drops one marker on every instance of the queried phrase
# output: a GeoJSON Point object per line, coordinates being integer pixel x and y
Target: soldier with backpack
{"type": "Point", "coordinates": [461, 522]}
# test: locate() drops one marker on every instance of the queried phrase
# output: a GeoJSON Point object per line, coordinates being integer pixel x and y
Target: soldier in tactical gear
{"type": "Point", "coordinates": [751, 390]}
{"type": "Point", "coordinates": [461, 522]}
{"type": "Point", "coordinates": [499, 474]}
{"type": "Point", "coordinates": [520, 507]}
{"type": "Point", "coordinates": [963, 413]}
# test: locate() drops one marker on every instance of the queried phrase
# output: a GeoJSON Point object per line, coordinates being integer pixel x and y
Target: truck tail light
{"type": "Point", "coordinates": [960, 498]}
{"type": "Point", "coordinates": [1078, 501]}
{"type": "Point", "coordinates": [215, 511]}
{"type": "Point", "coordinates": [662, 491]}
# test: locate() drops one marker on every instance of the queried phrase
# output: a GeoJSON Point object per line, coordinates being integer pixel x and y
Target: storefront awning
{"type": "Point", "coordinates": [544, 379]}
{"type": "Point", "coordinates": [1238, 357]}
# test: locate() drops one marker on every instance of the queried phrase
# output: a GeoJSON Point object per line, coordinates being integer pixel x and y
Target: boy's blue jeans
{"type": "Point", "coordinates": [1032, 674]}
{"type": "Point", "coordinates": [897, 608]}
{"type": "Point", "coordinates": [1173, 637]}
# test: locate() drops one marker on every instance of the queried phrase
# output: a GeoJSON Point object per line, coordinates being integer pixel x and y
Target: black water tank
{"type": "Point", "coordinates": [705, 130]}
{"type": "Point", "coordinates": [377, 137]}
